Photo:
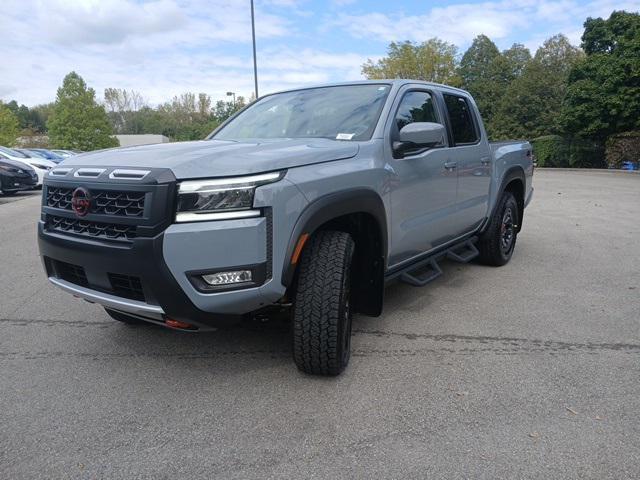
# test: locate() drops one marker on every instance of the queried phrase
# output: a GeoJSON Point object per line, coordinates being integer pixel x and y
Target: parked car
{"type": "Point", "coordinates": [64, 153]}
{"type": "Point", "coordinates": [40, 164]}
{"type": "Point", "coordinates": [48, 154]}
{"type": "Point", "coordinates": [309, 200]}
{"type": "Point", "coordinates": [15, 176]}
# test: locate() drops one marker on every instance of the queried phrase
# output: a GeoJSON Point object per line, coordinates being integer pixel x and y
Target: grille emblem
{"type": "Point", "coordinates": [81, 201]}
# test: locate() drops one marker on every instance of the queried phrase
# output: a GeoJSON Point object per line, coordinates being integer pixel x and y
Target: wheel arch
{"type": "Point", "coordinates": [361, 213]}
{"type": "Point", "coordinates": [513, 181]}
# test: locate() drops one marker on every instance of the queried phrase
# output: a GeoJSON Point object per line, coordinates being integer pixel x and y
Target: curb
{"type": "Point", "coordinates": [589, 170]}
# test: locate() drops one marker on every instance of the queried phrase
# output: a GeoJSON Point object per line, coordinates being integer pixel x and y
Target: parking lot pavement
{"type": "Point", "coordinates": [529, 370]}
{"type": "Point", "coordinates": [19, 196]}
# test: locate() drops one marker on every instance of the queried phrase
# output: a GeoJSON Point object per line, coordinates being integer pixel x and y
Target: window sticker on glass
{"type": "Point", "coordinates": [345, 136]}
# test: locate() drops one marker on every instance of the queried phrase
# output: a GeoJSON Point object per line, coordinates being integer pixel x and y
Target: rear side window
{"type": "Point", "coordinates": [462, 124]}
{"type": "Point", "coordinates": [415, 107]}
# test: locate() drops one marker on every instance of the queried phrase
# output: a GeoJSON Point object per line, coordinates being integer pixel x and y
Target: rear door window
{"type": "Point", "coordinates": [462, 125]}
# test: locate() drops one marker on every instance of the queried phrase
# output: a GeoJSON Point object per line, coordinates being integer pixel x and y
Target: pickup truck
{"type": "Point", "coordinates": [307, 201]}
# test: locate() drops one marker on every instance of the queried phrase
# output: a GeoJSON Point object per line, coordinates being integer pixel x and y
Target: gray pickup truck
{"type": "Point", "coordinates": [307, 201]}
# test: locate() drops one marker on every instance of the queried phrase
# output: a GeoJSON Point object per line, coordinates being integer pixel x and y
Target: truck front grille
{"type": "Point", "coordinates": [100, 230]}
{"type": "Point", "coordinates": [105, 202]}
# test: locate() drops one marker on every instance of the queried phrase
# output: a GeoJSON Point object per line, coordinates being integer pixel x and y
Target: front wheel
{"type": "Point", "coordinates": [498, 241]}
{"type": "Point", "coordinates": [322, 309]}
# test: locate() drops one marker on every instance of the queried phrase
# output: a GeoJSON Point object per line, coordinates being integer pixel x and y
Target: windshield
{"type": "Point", "coordinates": [348, 112]}
{"type": "Point", "coordinates": [35, 153]}
{"type": "Point", "coordinates": [11, 152]}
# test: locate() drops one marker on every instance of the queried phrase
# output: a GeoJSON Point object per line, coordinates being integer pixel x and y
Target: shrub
{"type": "Point", "coordinates": [551, 151]}
{"type": "Point", "coordinates": [586, 154]}
{"type": "Point", "coordinates": [623, 147]}
{"type": "Point", "coordinates": [562, 152]}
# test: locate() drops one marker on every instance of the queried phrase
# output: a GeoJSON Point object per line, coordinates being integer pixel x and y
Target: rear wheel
{"type": "Point", "coordinates": [322, 310]}
{"type": "Point", "coordinates": [124, 318]}
{"type": "Point", "coordinates": [498, 241]}
{"type": "Point", "coordinates": [9, 193]}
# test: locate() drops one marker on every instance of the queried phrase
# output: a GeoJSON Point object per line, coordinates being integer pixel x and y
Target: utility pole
{"type": "Point", "coordinates": [255, 63]}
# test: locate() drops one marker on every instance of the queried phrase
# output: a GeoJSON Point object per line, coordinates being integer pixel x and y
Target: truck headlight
{"type": "Point", "coordinates": [220, 198]}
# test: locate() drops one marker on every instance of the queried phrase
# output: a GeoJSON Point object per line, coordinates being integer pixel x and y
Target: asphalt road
{"type": "Point", "coordinates": [527, 371]}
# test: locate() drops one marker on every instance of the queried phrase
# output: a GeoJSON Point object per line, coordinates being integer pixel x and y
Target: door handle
{"type": "Point", "coordinates": [485, 161]}
{"type": "Point", "coordinates": [450, 165]}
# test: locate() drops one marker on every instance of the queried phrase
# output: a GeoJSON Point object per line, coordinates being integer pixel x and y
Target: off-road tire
{"type": "Point", "coordinates": [322, 308]}
{"type": "Point", "coordinates": [491, 244]}
{"type": "Point", "coordinates": [124, 318]}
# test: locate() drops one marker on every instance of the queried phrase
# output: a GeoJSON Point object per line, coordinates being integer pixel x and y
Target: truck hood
{"type": "Point", "coordinates": [216, 158]}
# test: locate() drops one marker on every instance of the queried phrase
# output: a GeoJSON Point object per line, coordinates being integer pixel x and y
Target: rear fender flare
{"type": "Point", "coordinates": [513, 173]}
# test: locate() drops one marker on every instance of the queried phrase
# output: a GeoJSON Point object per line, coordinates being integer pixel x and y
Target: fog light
{"type": "Point", "coordinates": [227, 278]}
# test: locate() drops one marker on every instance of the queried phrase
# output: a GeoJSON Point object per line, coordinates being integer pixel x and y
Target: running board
{"type": "Point", "coordinates": [427, 269]}
{"type": "Point", "coordinates": [465, 253]}
{"type": "Point", "coordinates": [423, 274]}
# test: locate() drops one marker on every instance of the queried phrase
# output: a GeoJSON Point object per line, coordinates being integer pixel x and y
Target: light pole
{"type": "Point", "coordinates": [253, 36]}
{"type": "Point", "coordinates": [234, 98]}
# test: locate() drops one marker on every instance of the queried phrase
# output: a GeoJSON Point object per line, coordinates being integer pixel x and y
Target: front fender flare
{"type": "Point", "coordinates": [328, 207]}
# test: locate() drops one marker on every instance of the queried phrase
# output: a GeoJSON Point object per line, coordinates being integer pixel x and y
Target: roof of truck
{"type": "Point", "coordinates": [397, 82]}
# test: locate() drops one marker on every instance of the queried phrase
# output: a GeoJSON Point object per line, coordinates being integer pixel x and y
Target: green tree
{"type": "Point", "coordinates": [485, 73]}
{"type": "Point", "coordinates": [517, 57]}
{"type": "Point", "coordinates": [531, 104]}
{"type": "Point", "coordinates": [476, 62]}
{"type": "Point", "coordinates": [40, 115]}
{"type": "Point", "coordinates": [122, 106]}
{"type": "Point", "coordinates": [9, 126]}
{"type": "Point", "coordinates": [432, 61]}
{"type": "Point", "coordinates": [558, 56]}
{"type": "Point", "coordinates": [28, 118]}
{"type": "Point", "coordinates": [77, 121]}
{"type": "Point", "coordinates": [603, 92]}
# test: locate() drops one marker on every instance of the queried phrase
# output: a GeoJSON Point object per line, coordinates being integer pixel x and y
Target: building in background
{"type": "Point", "coordinates": [143, 139]}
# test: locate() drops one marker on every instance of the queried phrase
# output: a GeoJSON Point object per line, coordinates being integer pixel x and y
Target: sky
{"type": "Point", "coordinates": [163, 48]}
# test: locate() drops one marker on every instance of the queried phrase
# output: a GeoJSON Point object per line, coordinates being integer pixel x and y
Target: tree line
{"type": "Point", "coordinates": [76, 120]}
{"type": "Point", "coordinates": [570, 101]}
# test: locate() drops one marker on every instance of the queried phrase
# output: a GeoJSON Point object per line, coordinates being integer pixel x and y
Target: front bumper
{"type": "Point", "coordinates": [141, 263]}
{"type": "Point", "coordinates": [12, 182]}
{"type": "Point", "coordinates": [157, 270]}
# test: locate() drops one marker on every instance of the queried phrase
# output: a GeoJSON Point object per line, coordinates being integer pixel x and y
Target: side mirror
{"type": "Point", "coordinates": [419, 134]}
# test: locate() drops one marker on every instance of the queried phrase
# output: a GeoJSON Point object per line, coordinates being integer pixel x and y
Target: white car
{"type": "Point", "coordinates": [40, 165]}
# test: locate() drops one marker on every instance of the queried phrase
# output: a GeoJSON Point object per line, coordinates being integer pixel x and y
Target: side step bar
{"type": "Point", "coordinates": [419, 277]}
{"type": "Point", "coordinates": [426, 270]}
{"type": "Point", "coordinates": [464, 253]}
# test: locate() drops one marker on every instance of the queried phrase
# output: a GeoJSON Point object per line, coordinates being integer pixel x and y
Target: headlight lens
{"type": "Point", "coordinates": [41, 167]}
{"type": "Point", "coordinates": [9, 168]}
{"type": "Point", "coordinates": [220, 198]}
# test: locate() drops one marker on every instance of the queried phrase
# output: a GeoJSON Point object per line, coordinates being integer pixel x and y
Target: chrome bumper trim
{"type": "Point", "coordinates": [133, 307]}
